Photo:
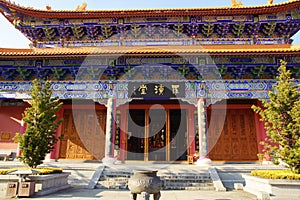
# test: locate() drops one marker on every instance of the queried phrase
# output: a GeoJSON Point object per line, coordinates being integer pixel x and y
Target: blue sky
{"type": "Point", "coordinates": [10, 37]}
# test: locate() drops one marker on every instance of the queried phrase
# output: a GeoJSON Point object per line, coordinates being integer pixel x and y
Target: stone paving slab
{"type": "Point", "coordinates": [88, 194]}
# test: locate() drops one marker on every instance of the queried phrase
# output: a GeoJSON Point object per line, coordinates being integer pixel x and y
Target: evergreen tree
{"type": "Point", "coordinates": [281, 117]}
{"type": "Point", "coordinates": [41, 125]}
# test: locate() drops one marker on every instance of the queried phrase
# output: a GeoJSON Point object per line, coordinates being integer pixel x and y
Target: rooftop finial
{"type": "Point", "coordinates": [270, 2]}
{"type": "Point", "coordinates": [82, 7]}
{"type": "Point", "coordinates": [236, 4]}
{"type": "Point", "coordinates": [48, 8]}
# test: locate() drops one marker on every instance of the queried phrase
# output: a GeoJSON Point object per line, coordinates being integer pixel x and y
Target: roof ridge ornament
{"type": "Point", "coordinates": [270, 2]}
{"type": "Point", "coordinates": [82, 7]}
{"type": "Point", "coordinates": [236, 4]}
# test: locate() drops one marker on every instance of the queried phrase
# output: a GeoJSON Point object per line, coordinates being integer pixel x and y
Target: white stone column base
{"type": "Point", "coordinates": [267, 162]}
{"type": "Point", "coordinates": [119, 162]}
{"type": "Point", "coordinates": [109, 161]}
{"type": "Point", "coordinates": [203, 162]}
{"type": "Point", "coordinates": [48, 159]}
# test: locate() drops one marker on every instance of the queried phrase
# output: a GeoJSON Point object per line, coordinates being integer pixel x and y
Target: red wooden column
{"type": "Point", "coordinates": [261, 132]}
{"type": "Point", "coordinates": [55, 153]}
{"type": "Point", "coordinates": [123, 137]}
{"type": "Point", "coordinates": [22, 129]}
{"type": "Point", "coordinates": [191, 131]}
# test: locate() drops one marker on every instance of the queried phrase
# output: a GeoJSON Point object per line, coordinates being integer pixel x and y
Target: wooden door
{"type": "Point", "coordinates": [237, 141]}
{"type": "Point", "coordinates": [84, 134]}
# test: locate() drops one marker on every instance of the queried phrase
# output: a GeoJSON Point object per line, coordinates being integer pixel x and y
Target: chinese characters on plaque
{"type": "Point", "coordinates": [156, 90]}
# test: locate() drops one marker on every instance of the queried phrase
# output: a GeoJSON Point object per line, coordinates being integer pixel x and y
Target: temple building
{"type": "Point", "coordinates": [150, 84]}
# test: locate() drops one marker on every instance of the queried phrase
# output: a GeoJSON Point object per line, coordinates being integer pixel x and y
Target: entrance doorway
{"type": "Point", "coordinates": [157, 134]}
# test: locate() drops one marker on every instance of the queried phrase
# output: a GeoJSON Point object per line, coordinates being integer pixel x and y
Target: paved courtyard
{"type": "Point", "coordinates": [81, 173]}
{"type": "Point", "coordinates": [82, 193]}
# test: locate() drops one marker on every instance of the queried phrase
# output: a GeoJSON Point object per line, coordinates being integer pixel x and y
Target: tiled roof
{"type": "Point", "coordinates": [159, 50]}
{"type": "Point", "coordinates": [229, 10]}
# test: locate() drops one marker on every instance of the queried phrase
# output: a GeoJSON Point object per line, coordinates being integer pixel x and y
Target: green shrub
{"type": "Point", "coordinates": [41, 124]}
{"type": "Point", "coordinates": [281, 120]}
{"type": "Point", "coordinates": [276, 174]}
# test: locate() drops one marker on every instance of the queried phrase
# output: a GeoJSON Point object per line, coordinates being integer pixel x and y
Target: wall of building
{"type": "Point", "coordinates": [10, 124]}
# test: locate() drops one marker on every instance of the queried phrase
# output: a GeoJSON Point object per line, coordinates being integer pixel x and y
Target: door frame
{"type": "Point", "coordinates": [190, 109]}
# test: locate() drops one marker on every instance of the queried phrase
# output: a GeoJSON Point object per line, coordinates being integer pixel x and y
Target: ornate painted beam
{"type": "Point", "coordinates": [122, 90]}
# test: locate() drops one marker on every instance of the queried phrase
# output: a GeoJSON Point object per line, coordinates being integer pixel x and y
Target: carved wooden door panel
{"type": "Point", "coordinates": [84, 134]}
{"type": "Point", "coordinates": [66, 131]}
{"type": "Point", "coordinates": [237, 141]}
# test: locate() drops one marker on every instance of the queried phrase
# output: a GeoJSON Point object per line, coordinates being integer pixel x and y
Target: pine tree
{"type": "Point", "coordinates": [281, 117]}
{"type": "Point", "coordinates": [41, 125]}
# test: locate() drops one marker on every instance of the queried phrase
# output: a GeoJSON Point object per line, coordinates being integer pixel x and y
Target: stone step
{"type": "Point", "coordinates": [185, 178]}
{"type": "Point", "coordinates": [185, 182]}
{"type": "Point", "coordinates": [115, 179]}
{"type": "Point", "coordinates": [206, 188]}
{"type": "Point", "coordinates": [112, 185]}
{"type": "Point", "coordinates": [175, 184]}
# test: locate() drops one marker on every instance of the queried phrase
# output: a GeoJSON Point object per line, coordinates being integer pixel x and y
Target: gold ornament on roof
{"type": "Point", "coordinates": [48, 8]}
{"type": "Point", "coordinates": [270, 2]}
{"type": "Point", "coordinates": [82, 7]}
{"type": "Point", "coordinates": [236, 4]}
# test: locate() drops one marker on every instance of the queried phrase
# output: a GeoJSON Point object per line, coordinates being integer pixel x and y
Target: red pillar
{"type": "Point", "coordinates": [114, 126]}
{"type": "Point", "coordinates": [191, 131]}
{"type": "Point", "coordinates": [22, 129]}
{"type": "Point", "coordinates": [261, 132]}
{"type": "Point", "coordinates": [123, 137]}
{"type": "Point", "coordinates": [55, 153]}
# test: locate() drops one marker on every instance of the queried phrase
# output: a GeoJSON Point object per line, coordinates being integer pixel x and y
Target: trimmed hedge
{"type": "Point", "coordinates": [5, 171]}
{"type": "Point", "coordinates": [42, 171]}
{"type": "Point", "coordinates": [276, 174]}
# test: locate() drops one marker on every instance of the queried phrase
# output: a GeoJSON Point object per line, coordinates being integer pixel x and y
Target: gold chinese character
{"type": "Point", "coordinates": [175, 89]}
{"type": "Point", "coordinates": [159, 89]}
{"type": "Point", "coordinates": [143, 89]}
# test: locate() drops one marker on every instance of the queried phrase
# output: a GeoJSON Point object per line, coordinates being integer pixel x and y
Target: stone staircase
{"type": "Point", "coordinates": [186, 181]}
{"type": "Point", "coordinates": [112, 178]}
